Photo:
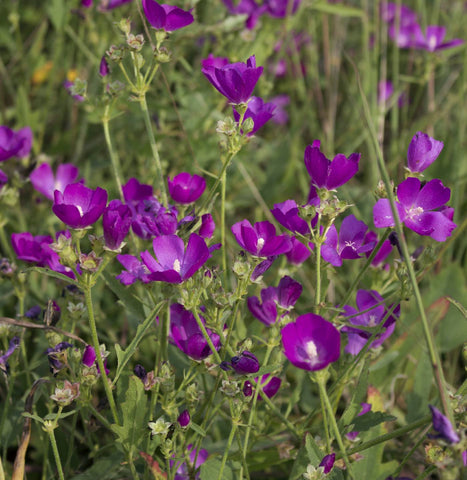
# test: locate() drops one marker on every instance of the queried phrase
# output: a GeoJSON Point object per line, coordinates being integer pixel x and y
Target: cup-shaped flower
{"type": "Point", "coordinates": [166, 17]}
{"type": "Point", "coordinates": [423, 151]}
{"type": "Point", "coordinates": [174, 263]}
{"type": "Point", "coordinates": [348, 244]}
{"type": "Point", "coordinates": [197, 458]}
{"type": "Point", "coordinates": [259, 111]}
{"type": "Point", "coordinates": [298, 253]}
{"type": "Point", "coordinates": [245, 363]}
{"type": "Point", "coordinates": [311, 342]}
{"type": "Point", "coordinates": [187, 336]}
{"type": "Point", "coordinates": [420, 208]}
{"type": "Point", "coordinates": [328, 462]}
{"type": "Point", "coordinates": [269, 385]}
{"type": "Point", "coordinates": [443, 426]}
{"type": "Point", "coordinates": [373, 309]}
{"type": "Point", "coordinates": [90, 358]}
{"type": "Point", "coordinates": [186, 188]}
{"type": "Point", "coordinates": [329, 174]}
{"type": "Point", "coordinates": [287, 214]}
{"type": "Point", "coordinates": [79, 206]}
{"type": "Point", "coordinates": [260, 240]}
{"type": "Point", "coordinates": [432, 39]}
{"type": "Point", "coordinates": [235, 81]}
{"type": "Point", "coordinates": [116, 222]}
{"type": "Point", "coordinates": [14, 144]}
{"type": "Point", "coordinates": [207, 226]}
{"type": "Point", "coordinates": [281, 8]}
{"type": "Point", "coordinates": [285, 295]}
{"type": "Point", "coordinates": [45, 182]}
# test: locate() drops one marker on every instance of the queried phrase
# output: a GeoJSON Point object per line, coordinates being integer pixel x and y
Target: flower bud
{"type": "Point", "coordinates": [184, 419]}
{"type": "Point", "coordinates": [65, 395]}
{"type": "Point", "coordinates": [245, 363]}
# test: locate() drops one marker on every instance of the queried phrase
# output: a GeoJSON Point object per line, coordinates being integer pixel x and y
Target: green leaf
{"type": "Point", "coordinates": [338, 9]}
{"type": "Point", "coordinates": [123, 356]}
{"type": "Point", "coordinates": [52, 273]}
{"type": "Point", "coordinates": [370, 420]}
{"type": "Point", "coordinates": [211, 468]}
{"type": "Point", "coordinates": [53, 416]}
{"type": "Point", "coordinates": [34, 417]}
{"type": "Point", "coordinates": [124, 294]}
{"type": "Point", "coordinates": [132, 400]}
{"type": "Point", "coordinates": [197, 429]}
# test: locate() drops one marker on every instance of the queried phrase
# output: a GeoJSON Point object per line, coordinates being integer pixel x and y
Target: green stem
{"type": "Point", "coordinates": [207, 337]}
{"type": "Point", "coordinates": [320, 379]}
{"type": "Point", "coordinates": [113, 155]}
{"type": "Point", "coordinates": [155, 151]}
{"type": "Point", "coordinates": [227, 449]}
{"type": "Point", "coordinates": [53, 442]}
{"type": "Point", "coordinates": [318, 277]}
{"type": "Point", "coordinates": [224, 246]}
{"type": "Point", "coordinates": [100, 363]}
{"type": "Point", "coordinates": [434, 358]}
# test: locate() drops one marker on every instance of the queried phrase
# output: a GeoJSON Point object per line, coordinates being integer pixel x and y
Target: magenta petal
{"type": "Point", "coordinates": [434, 224]}
{"type": "Point", "coordinates": [176, 18]}
{"type": "Point", "coordinates": [155, 13]}
{"type": "Point", "coordinates": [433, 195]}
{"type": "Point", "coordinates": [382, 214]}
{"type": "Point", "coordinates": [195, 256]}
{"type": "Point", "coordinates": [168, 249]}
{"type": "Point", "coordinates": [352, 230]}
{"type": "Point", "coordinates": [331, 256]}
{"type": "Point", "coordinates": [317, 165]}
{"type": "Point", "coordinates": [423, 151]}
{"type": "Point", "coordinates": [289, 291]}
{"type": "Point", "coordinates": [407, 191]}
{"type": "Point", "coordinates": [42, 179]}
{"type": "Point", "coordinates": [342, 169]}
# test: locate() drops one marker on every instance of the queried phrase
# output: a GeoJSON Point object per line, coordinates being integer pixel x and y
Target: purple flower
{"type": "Point", "coordinates": [245, 363]}
{"type": "Point", "coordinates": [107, 5]}
{"type": "Point", "coordinates": [392, 13]}
{"type": "Point", "coordinates": [432, 40]}
{"type": "Point", "coordinates": [70, 88]}
{"type": "Point", "coordinates": [269, 385]}
{"type": "Point", "coordinates": [248, 7]}
{"type": "Point", "coordinates": [79, 206]}
{"type": "Point", "coordinates": [183, 471]}
{"type": "Point", "coordinates": [13, 345]}
{"type": "Point", "coordinates": [261, 240]}
{"type": "Point", "coordinates": [187, 336]}
{"type": "Point", "coordinates": [383, 252]}
{"type": "Point", "coordinates": [443, 426]}
{"type": "Point", "coordinates": [366, 407]}
{"type": "Point", "coordinates": [166, 17]}
{"type": "Point", "coordinates": [423, 151]}
{"type": "Point", "coordinates": [56, 356]}
{"type": "Point", "coordinates": [298, 253]}
{"type": "Point", "coordinates": [373, 309]}
{"type": "Point", "coordinates": [329, 174]}
{"type": "Point", "coordinates": [311, 342]}
{"type": "Point", "coordinates": [285, 295]}
{"type": "Point", "coordinates": [186, 188]}
{"type": "Point", "coordinates": [116, 222]}
{"type": "Point", "coordinates": [281, 8]}
{"type": "Point", "coordinates": [235, 81]}
{"type": "Point", "coordinates": [14, 144]}
{"type": "Point", "coordinates": [258, 111]}
{"type": "Point", "coordinates": [90, 358]}
{"type": "Point", "coordinates": [262, 268]}
{"type": "Point", "coordinates": [184, 419]}
{"type": "Point", "coordinates": [422, 209]}
{"type": "Point", "coordinates": [207, 226]}
{"type": "Point", "coordinates": [280, 116]}
{"type": "Point", "coordinates": [103, 67]}
{"type": "Point", "coordinates": [288, 215]}
{"type": "Point", "coordinates": [328, 462]}
{"type": "Point", "coordinates": [135, 270]}
{"type": "Point", "coordinates": [385, 92]}
{"type": "Point", "coordinates": [45, 182]}
{"type": "Point", "coordinates": [174, 263]}
{"type": "Point", "coordinates": [349, 244]}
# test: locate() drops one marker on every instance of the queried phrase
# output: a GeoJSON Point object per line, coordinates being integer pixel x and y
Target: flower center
{"type": "Point", "coordinates": [260, 243]}
{"type": "Point", "coordinates": [311, 351]}
{"type": "Point", "coordinates": [414, 212]}
{"type": "Point", "coordinates": [80, 210]}
{"type": "Point", "coordinates": [372, 321]}
{"type": "Point", "coordinates": [432, 42]}
{"type": "Point", "coordinates": [176, 266]}
{"type": "Point", "coordinates": [348, 243]}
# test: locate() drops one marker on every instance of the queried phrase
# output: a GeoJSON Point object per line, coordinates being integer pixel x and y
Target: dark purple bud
{"type": "Point", "coordinates": [225, 366]}
{"type": "Point", "coordinates": [103, 67]}
{"type": "Point", "coordinates": [184, 419]}
{"type": "Point", "coordinates": [247, 389]}
{"type": "Point", "coordinates": [33, 312]}
{"type": "Point", "coordinates": [89, 356]}
{"type": "Point", "coordinates": [185, 188]}
{"type": "Point", "coordinates": [140, 372]}
{"type": "Point", "coordinates": [245, 363]}
{"type": "Point", "coordinates": [328, 462]}
{"type": "Point", "coordinates": [443, 426]}
{"type": "Point", "coordinates": [116, 222]}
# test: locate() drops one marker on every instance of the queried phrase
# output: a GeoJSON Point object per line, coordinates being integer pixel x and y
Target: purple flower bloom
{"type": "Point", "coordinates": [285, 295]}
{"type": "Point", "coordinates": [311, 342]}
{"type": "Point", "coordinates": [207, 226]}
{"type": "Point", "coordinates": [69, 86]}
{"type": "Point", "coordinates": [14, 144]}
{"type": "Point", "coordinates": [184, 419]}
{"type": "Point", "coordinates": [116, 222]}
{"type": "Point", "coordinates": [443, 426]}
{"type": "Point", "coordinates": [45, 182]}
{"type": "Point", "coordinates": [328, 462]}
{"type": "Point", "coordinates": [135, 270]}
{"type": "Point", "coordinates": [281, 8]}
{"type": "Point", "coordinates": [248, 7]}
{"type": "Point", "coordinates": [79, 206]}
{"type": "Point", "coordinates": [166, 17]}
{"type": "Point", "coordinates": [329, 174]}
{"type": "Point", "coordinates": [422, 209]}
{"type": "Point", "coordinates": [260, 240]}
{"type": "Point", "coordinates": [186, 188]}
{"type": "Point", "coordinates": [55, 356]}
{"type": "Point", "coordinates": [432, 40]}
{"type": "Point", "coordinates": [262, 268]}
{"type": "Point", "coordinates": [383, 252]}
{"type": "Point", "coordinates": [280, 115]}
{"type": "Point", "coordinates": [245, 363]}
{"type": "Point", "coordinates": [183, 471]}
{"type": "Point", "coordinates": [423, 151]}
{"type": "Point", "coordinates": [13, 345]}
{"type": "Point", "coordinates": [235, 81]}
{"type": "Point", "coordinates": [187, 336]}
{"type": "Point", "coordinates": [103, 67]}
{"type": "Point", "coordinates": [349, 244]}
{"type": "Point", "coordinates": [90, 358]}
{"type": "Point", "coordinates": [288, 215]}
{"type": "Point", "coordinates": [298, 253]}
{"type": "Point", "coordinates": [258, 111]}
{"type": "Point", "coordinates": [371, 303]}
{"type": "Point", "coordinates": [269, 385]}
{"type": "Point", "coordinates": [174, 263]}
